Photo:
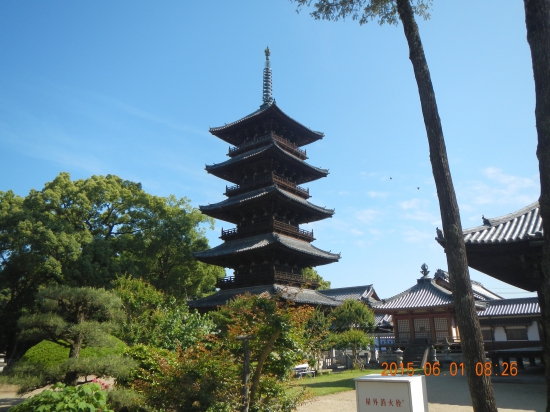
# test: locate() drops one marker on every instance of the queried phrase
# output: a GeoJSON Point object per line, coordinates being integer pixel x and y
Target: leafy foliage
{"type": "Point", "coordinates": [88, 397]}
{"type": "Point", "coordinates": [385, 11]}
{"type": "Point", "coordinates": [277, 342]}
{"type": "Point", "coordinates": [353, 339]}
{"type": "Point", "coordinates": [207, 376]}
{"type": "Point", "coordinates": [198, 379]}
{"type": "Point", "coordinates": [84, 232]}
{"type": "Point", "coordinates": [352, 321]}
{"type": "Point", "coordinates": [352, 314]}
{"type": "Point", "coordinates": [156, 319]}
{"type": "Point", "coordinates": [312, 275]}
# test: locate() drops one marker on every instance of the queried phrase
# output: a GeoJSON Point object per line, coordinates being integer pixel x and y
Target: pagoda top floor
{"type": "Point", "coordinates": [269, 118]}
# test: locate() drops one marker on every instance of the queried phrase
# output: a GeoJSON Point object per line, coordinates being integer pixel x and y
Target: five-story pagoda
{"type": "Point", "coordinates": [265, 202]}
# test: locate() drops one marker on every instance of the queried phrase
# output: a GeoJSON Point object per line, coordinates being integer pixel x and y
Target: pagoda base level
{"type": "Point", "coordinates": [265, 278]}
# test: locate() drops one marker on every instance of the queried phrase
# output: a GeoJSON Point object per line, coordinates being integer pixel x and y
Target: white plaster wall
{"type": "Point", "coordinates": [500, 334]}
{"type": "Point", "coordinates": [533, 331]}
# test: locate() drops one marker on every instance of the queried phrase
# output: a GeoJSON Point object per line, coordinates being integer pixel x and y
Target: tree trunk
{"type": "Point", "coordinates": [71, 377]}
{"type": "Point", "coordinates": [537, 21]}
{"type": "Point", "coordinates": [261, 360]}
{"type": "Point", "coordinates": [246, 376]}
{"type": "Point", "coordinates": [480, 387]}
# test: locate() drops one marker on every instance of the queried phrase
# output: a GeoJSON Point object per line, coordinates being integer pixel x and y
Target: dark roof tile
{"type": "Point", "coordinates": [525, 224]}
{"type": "Point", "coordinates": [511, 307]}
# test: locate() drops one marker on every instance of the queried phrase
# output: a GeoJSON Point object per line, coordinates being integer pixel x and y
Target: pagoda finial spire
{"type": "Point", "coordinates": [267, 89]}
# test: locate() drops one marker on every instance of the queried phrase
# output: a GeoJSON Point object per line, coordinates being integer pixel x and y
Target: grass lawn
{"type": "Point", "coordinates": [333, 382]}
{"type": "Point", "coordinates": [336, 382]}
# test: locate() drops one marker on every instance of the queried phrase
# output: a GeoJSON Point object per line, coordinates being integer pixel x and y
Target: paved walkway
{"type": "Point", "coordinates": [525, 392]}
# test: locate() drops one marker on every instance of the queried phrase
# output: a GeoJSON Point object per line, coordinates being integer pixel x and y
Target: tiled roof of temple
{"type": "Point", "coordinates": [511, 307]}
{"type": "Point", "coordinates": [525, 224]}
{"type": "Point", "coordinates": [272, 148]}
{"type": "Point", "coordinates": [426, 293]}
{"type": "Point", "coordinates": [268, 110]}
{"type": "Point", "coordinates": [258, 193]}
{"type": "Point", "coordinates": [298, 295]}
{"type": "Point", "coordinates": [480, 292]}
{"type": "Point", "coordinates": [262, 241]}
{"type": "Point", "coordinates": [363, 293]}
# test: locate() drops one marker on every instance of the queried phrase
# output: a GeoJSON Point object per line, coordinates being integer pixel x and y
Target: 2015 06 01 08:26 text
{"type": "Point", "coordinates": [434, 368]}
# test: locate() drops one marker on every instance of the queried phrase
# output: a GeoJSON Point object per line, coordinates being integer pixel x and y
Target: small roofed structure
{"type": "Point", "coordinates": [422, 313]}
{"type": "Point", "coordinates": [508, 248]}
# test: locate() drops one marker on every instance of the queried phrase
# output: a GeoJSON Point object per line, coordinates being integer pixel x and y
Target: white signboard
{"type": "Point", "coordinates": [377, 393]}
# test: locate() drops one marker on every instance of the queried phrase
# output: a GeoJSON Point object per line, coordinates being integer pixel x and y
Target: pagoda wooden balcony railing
{"type": "Point", "coordinates": [270, 225]}
{"type": "Point", "coordinates": [261, 181]}
{"type": "Point", "coordinates": [258, 141]}
{"type": "Point", "coordinates": [264, 278]}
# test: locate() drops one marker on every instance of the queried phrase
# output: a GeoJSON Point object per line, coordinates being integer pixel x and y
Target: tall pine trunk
{"type": "Point", "coordinates": [481, 390]}
{"type": "Point", "coordinates": [537, 20]}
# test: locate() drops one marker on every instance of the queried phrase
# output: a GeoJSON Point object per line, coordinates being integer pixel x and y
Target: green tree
{"type": "Point", "coordinates": [312, 275]}
{"type": "Point", "coordinates": [85, 232]}
{"type": "Point", "coordinates": [392, 11]}
{"type": "Point", "coordinates": [78, 317]}
{"type": "Point", "coordinates": [353, 339]}
{"type": "Point", "coordinates": [156, 319]}
{"type": "Point", "coordinates": [537, 21]}
{"type": "Point", "coordinates": [352, 314]}
{"type": "Point", "coordinates": [317, 337]}
{"type": "Point", "coordinates": [277, 331]}
{"type": "Point", "coordinates": [352, 321]}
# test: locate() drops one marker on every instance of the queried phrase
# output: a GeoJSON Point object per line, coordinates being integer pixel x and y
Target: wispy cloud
{"type": "Point", "coordinates": [497, 188]}
{"type": "Point", "coordinates": [420, 210]}
{"type": "Point", "coordinates": [413, 235]}
{"type": "Point", "coordinates": [374, 194]}
{"type": "Point", "coordinates": [367, 215]}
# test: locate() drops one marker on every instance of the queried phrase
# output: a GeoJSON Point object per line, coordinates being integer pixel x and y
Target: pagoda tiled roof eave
{"type": "Point", "coordinates": [295, 294]}
{"type": "Point", "coordinates": [233, 247]}
{"type": "Point", "coordinates": [222, 130]}
{"type": "Point", "coordinates": [239, 200]}
{"type": "Point", "coordinates": [522, 225]}
{"type": "Point", "coordinates": [264, 149]}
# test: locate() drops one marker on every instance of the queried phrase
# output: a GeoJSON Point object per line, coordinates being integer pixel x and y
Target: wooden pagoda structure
{"type": "Point", "coordinates": [265, 200]}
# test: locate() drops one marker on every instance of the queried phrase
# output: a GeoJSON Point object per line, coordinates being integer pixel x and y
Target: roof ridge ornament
{"type": "Point", "coordinates": [267, 96]}
{"type": "Point", "coordinates": [424, 270]}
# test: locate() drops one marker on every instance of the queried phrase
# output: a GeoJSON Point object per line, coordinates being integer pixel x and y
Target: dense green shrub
{"type": "Point", "coordinates": [86, 398]}
{"type": "Point", "coordinates": [48, 362]}
{"type": "Point", "coordinates": [47, 353]}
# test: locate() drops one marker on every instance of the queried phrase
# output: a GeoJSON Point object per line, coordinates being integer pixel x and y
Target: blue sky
{"type": "Point", "coordinates": [131, 88]}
